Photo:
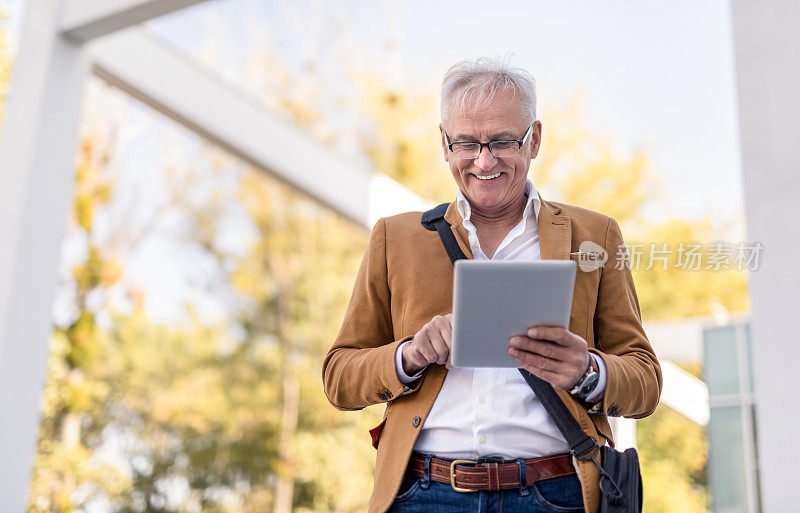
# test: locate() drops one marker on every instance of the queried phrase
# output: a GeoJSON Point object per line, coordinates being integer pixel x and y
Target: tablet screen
{"type": "Point", "coordinates": [493, 301]}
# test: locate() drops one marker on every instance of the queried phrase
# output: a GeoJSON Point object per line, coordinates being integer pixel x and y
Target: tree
{"type": "Point", "coordinates": [674, 287]}
{"type": "Point", "coordinates": [402, 138]}
{"type": "Point", "coordinates": [293, 280]}
{"type": "Point", "coordinates": [673, 453]}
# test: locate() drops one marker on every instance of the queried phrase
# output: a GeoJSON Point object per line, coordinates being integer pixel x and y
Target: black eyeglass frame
{"type": "Point", "coordinates": [519, 142]}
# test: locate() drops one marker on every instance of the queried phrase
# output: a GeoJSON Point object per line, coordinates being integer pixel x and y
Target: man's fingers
{"type": "Point", "coordinates": [557, 335]}
{"type": "Point", "coordinates": [412, 359]}
{"type": "Point", "coordinates": [447, 332]}
{"type": "Point", "coordinates": [416, 357]}
{"type": "Point", "coordinates": [449, 337]}
{"type": "Point", "coordinates": [551, 371]}
{"type": "Point", "coordinates": [425, 349]}
{"type": "Point", "coordinates": [528, 359]}
{"type": "Point", "coordinates": [432, 343]}
{"type": "Point", "coordinates": [541, 347]}
{"type": "Point", "coordinates": [441, 337]}
{"type": "Point", "coordinates": [554, 379]}
{"type": "Point", "coordinates": [441, 347]}
{"type": "Point", "coordinates": [546, 332]}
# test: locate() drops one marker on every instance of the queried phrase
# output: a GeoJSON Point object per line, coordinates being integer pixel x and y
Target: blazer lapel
{"type": "Point", "coordinates": [555, 232]}
{"type": "Point", "coordinates": [457, 225]}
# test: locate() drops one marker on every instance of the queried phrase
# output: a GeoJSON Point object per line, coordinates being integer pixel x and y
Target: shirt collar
{"type": "Point", "coordinates": [533, 204]}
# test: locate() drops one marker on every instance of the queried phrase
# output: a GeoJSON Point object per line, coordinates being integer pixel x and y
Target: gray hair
{"type": "Point", "coordinates": [480, 80]}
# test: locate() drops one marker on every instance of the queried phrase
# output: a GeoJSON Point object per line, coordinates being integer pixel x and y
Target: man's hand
{"type": "Point", "coordinates": [431, 344]}
{"type": "Point", "coordinates": [554, 354]}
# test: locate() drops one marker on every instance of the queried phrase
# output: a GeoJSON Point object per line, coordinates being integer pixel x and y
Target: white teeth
{"type": "Point", "coordinates": [487, 177]}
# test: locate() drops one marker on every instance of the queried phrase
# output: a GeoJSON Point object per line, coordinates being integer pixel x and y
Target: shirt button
{"type": "Point", "coordinates": [482, 439]}
{"type": "Point", "coordinates": [415, 421]}
{"type": "Point", "coordinates": [481, 400]}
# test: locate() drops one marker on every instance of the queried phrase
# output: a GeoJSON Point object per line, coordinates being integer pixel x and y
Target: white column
{"type": "Point", "coordinates": [767, 45]}
{"type": "Point", "coordinates": [37, 168]}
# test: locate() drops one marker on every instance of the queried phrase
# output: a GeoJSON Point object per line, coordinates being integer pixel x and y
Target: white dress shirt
{"type": "Point", "coordinates": [492, 411]}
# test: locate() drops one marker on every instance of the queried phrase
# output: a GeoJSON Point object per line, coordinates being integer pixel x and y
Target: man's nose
{"type": "Point", "coordinates": [485, 160]}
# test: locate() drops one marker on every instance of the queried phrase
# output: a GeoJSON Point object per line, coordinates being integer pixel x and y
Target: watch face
{"type": "Point", "coordinates": [589, 384]}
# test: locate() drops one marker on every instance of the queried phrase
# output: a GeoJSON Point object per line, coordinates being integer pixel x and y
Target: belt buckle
{"type": "Point", "coordinates": [453, 475]}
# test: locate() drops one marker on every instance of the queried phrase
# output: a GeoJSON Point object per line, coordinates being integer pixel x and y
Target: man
{"type": "Point", "coordinates": [394, 343]}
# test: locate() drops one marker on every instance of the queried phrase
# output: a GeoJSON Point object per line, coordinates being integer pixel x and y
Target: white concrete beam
{"type": "Point", "coordinates": [388, 197]}
{"type": "Point", "coordinates": [684, 393]}
{"type": "Point", "coordinates": [167, 80]}
{"type": "Point", "coordinates": [37, 172]}
{"type": "Point", "coordinates": [83, 20]}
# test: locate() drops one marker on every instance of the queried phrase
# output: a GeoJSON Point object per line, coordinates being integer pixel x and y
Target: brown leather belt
{"type": "Point", "coordinates": [471, 476]}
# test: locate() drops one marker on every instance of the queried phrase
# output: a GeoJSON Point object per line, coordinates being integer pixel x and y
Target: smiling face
{"type": "Point", "coordinates": [493, 186]}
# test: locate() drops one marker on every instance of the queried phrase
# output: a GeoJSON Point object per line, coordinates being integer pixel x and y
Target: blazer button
{"type": "Point", "coordinates": [415, 421]}
{"type": "Point", "coordinates": [381, 396]}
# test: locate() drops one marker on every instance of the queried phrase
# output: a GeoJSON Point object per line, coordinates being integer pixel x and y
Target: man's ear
{"type": "Point", "coordinates": [536, 138]}
{"type": "Point", "coordinates": [444, 144]}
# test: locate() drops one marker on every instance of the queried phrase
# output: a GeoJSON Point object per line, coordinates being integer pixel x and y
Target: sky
{"type": "Point", "coordinates": [655, 76]}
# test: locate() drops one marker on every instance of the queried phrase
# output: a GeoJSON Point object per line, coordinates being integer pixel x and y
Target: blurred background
{"type": "Point", "coordinates": [198, 290]}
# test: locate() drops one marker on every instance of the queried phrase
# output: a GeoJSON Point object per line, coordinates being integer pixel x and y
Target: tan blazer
{"type": "Point", "coordinates": [406, 279]}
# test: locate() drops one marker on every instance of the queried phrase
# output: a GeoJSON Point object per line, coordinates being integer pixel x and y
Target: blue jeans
{"type": "Point", "coordinates": [421, 495]}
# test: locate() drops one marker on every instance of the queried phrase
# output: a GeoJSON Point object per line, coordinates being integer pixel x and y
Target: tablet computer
{"type": "Point", "coordinates": [493, 301]}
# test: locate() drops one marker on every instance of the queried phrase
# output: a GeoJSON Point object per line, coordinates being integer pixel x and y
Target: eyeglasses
{"type": "Point", "coordinates": [499, 149]}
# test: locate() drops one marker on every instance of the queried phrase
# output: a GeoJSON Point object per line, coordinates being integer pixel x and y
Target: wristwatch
{"type": "Point", "coordinates": [584, 387]}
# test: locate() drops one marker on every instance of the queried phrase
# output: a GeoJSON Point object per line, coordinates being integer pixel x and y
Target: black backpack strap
{"type": "Point", "coordinates": [621, 490]}
{"type": "Point", "coordinates": [434, 219]}
{"type": "Point", "coordinates": [434, 214]}
{"type": "Point", "coordinates": [581, 445]}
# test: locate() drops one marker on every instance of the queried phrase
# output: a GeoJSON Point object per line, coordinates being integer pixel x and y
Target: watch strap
{"type": "Point", "coordinates": [587, 383]}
